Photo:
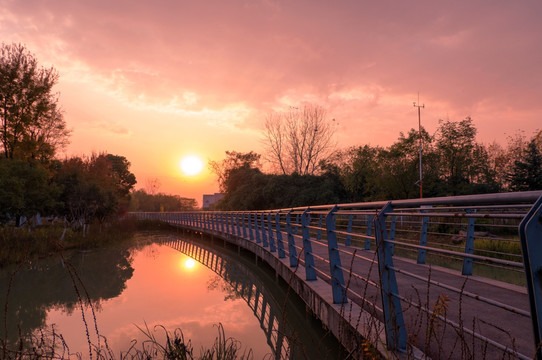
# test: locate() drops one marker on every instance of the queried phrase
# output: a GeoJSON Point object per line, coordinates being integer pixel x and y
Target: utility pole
{"type": "Point", "coordinates": [420, 182]}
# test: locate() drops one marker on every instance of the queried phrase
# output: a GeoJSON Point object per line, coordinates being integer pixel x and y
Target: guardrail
{"type": "Point", "coordinates": [432, 270]}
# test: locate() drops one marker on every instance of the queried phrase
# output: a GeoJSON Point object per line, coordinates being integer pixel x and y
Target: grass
{"type": "Point", "coordinates": [18, 245]}
{"type": "Point", "coordinates": [160, 343]}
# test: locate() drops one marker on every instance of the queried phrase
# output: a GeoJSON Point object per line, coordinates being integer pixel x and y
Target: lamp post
{"type": "Point", "coordinates": [420, 132]}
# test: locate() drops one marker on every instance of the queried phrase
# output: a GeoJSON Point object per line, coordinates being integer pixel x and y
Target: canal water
{"type": "Point", "coordinates": [160, 284]}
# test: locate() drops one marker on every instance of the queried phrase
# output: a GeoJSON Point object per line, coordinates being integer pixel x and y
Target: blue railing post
{"type": "Point", "coordinates": [244, 226]}
{"type": "Point", "coordinates": [296, 224]}
{"type": "Point", "coordinates": [423, 240]}
{"type": "Point", "coordinates": [264, 234]}
{"type": "Point", "coordinates": [250, 227]}
{"type": "Point", "coordinates": [292, 252]}
{"type": "Point", "coordinates": [238, 224]}
{"type": "Point", "coordinates": [310, 272]}
{"type": "Point", "coordinates": [319, 231]}
{"type": "Point", "coordinates": [369, 232]}
{"type": "Point", "coordinates": [396, 335]}
{"type": "Point", "coordinates": [280, 243]}
{"type": "Point", "coordinates": [348, 240]}
{"type": "Point", "coordinates": [469, 247]}
{"type": "Point", "coordinates": [257, 229]}
{"type": "Point", "coordinates": [272, 246]}
{"type": "Point", "coordinates": [391, 236]}
{"type": "Point", "coordinates": [530, 235]}
{"type": "Point", "coordinates": [335, 268]}
{"type": "Point", "coordinates": [211, 217]}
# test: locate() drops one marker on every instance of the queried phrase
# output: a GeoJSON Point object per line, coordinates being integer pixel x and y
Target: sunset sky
{"type": "Point", "coordinates": [155, 81]}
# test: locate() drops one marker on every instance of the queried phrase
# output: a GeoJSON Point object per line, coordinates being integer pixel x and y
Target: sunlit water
{"type": "Point", "coordinates": [150, 287]}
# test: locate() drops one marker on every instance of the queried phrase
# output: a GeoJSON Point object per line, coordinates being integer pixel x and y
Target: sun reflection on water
{"type": "Point", "coordinates": [189, 263]}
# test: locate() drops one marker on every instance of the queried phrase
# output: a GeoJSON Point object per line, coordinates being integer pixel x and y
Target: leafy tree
{"type": "Point", "coordinates": [143, 201]}
{"type": "Point", "coordinates": [299, 139]}
{"type": "Point", "coordinates": [25, 190]}
{"type": "Point", "coordinates": [122, 177]}
{"type": "Point", "coordinates": [93, 189]}
{"type": "Point", "coordinates": [31, 123]}
{"type": "Point", "coordinates": [234, 160]}
{"type": "Point", "coordinates": [464, 164]}
{"type": "Point", "coordinates": [527, 171]}
{"type": "Point", "coordinates": [359, 171]}
{"type": "Point", "coordinates": [399, 166]}
{"type": "Point", "coordinates": [250, 189]}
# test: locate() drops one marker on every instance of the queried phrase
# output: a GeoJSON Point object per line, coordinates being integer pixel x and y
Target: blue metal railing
{"type": "Point", "coordinates": [395, 258]}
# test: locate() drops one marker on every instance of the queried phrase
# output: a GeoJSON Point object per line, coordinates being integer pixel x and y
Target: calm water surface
{"type": "Point", "coordinates": [154, 286]}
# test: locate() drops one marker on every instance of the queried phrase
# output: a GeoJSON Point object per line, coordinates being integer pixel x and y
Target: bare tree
{"type": "Point", "coordinates": [298, 139]}
{"type": "Point", "coordinates": [152, 185]}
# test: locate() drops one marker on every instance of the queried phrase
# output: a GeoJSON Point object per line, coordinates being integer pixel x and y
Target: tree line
{"type": "Point", "coordinates": [453, 163]}
{"type": "Point", "coordinates": [80, 189]}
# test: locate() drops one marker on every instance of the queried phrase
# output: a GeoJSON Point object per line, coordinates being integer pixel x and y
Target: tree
{"type": "Point", "coordinates": [234, 160]}
{"type": "Point", "coordinates": [31, 123]}
{"type": "Point", "coordinates": [359, 172]}
{"type": "Point", "coordinates": [94, 188]}
{"type": "Point", "coordinates": [399, 166]}
{"type": "Point", "coordinates": [527, 171]}
{"type": "Point", "coordinates": [25, 190]}
{"type": "Point", "coordinates": [464, 164]}
{"type": "Point", "coordinates": [298, 139]}
{"type": "Point", "coordinates": [123, 179]}
{"type": "Point", "coordinates": [143, 201]}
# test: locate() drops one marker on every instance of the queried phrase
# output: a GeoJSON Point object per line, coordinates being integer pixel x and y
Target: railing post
{"type": "Point", "coordinates": [391, 236]}
{"type": "Point", "coordinates": [250, 227]}
{"type": "Point", "coordinates": [257, 229]}
{"type": "Point", "coordinates": [296, 224]}
{"type": "Point", "coordinates": [292, 252]}
{"type": "Point", "coordinates": [335, 268]}
{"type": "Point", "coordinates": [530, 235]}
{"type": "Point", "coordinates": [396, 336]}
{"type": "Point", "coordinates": [469, 246]}
{"type": "Point", "coordinates": [348, 240]}
{"type": "Point", "coordinates": [423, 239]}
{"type": "Point", "coordinates": [310, 272]}
{"type": "Point", "coordinates": [244, 226]}
{"type": "Point", "coordinates": [369, 232]}
{"type": "Point", "coordinates": [264, 235]}
{"type": "Point", "coordinates": [272, 246]}
{"type": "Point", "coordinates": [280, 243]}
{"type": "Point", "coordinates": [238, 225]}
{"type": "Point", "coordinates": [319, 231]}
{"type": "Point", "coordinates": [228, 223]}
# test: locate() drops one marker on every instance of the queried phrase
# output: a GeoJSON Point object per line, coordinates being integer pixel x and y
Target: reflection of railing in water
{"type": "Point", "coordinates": [266, 309]}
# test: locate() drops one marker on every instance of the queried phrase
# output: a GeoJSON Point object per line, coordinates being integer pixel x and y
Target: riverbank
{"type": "Point", "coordinates": [18, 245]}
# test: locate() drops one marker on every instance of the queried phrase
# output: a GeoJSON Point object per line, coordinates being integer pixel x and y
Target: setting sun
{"type": "Point", "coordinates": [191, 165]}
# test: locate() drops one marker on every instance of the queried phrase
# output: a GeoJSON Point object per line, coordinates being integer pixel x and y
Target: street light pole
{"type": "Point", "coordinates": [420, 132]}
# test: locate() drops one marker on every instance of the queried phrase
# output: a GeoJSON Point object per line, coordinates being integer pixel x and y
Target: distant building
{"type": "Point", "coordinates": [210, 200]}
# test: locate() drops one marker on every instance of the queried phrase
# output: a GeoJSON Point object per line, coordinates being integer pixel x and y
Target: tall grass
{"type": "Point", "coordinates": [160, 343]}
